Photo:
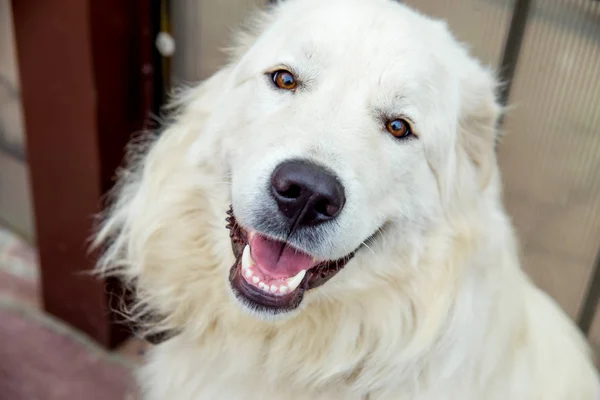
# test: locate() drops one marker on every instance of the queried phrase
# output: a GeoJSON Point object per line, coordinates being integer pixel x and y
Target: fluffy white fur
{"type": "Point", "coordinates": [436, 307]}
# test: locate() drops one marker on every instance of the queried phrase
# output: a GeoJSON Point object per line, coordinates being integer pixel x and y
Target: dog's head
{"type": "Point", "coordinates": [343, 118]}
{"type": "Point", "coordinates": [348, 128]}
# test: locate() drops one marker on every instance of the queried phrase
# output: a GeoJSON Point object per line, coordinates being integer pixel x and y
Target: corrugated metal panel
{"type": "Point", "coordinates": [551, 153]}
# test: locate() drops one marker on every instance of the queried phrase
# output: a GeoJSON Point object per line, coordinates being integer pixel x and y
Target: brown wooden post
{"type": "Point", "coordinates": [84, 72]}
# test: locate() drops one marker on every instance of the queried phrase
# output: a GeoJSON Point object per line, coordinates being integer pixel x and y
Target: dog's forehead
{"type": "Point", "coordinates": [359, 34]}
{"type": "Point", "coordinates": [373, 52]}
{"type": "Point", "coordinates": [347, 23]}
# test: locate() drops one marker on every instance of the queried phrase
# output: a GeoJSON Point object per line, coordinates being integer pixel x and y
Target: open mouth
{"type": "Point", "coordinates": [271, 275]}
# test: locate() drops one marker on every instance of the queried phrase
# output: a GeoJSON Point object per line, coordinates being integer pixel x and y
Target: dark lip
{"type": "Point", "coordinates": [264, 302]}
{"type": "Point", "coordinates": [260, 301]}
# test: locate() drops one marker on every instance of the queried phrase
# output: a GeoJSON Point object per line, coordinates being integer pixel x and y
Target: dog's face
{"type": "Point", "coordinates": [349, 129]}
{"type": "Point", "coordinates": [340, 120]}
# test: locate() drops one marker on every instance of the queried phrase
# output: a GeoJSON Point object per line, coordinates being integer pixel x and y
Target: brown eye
{"type": "Point", "coordinates": [399, 128]}
{"type": "Point", "coordinates": [284, 80]}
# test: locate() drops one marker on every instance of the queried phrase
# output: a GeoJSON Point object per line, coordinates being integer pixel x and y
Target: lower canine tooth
{"type": "Point", "coordinates": [283, 289]}
{"type": "Point", "coordinates": [295, 281]}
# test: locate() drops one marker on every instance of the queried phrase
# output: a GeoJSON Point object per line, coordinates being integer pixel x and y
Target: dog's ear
{"type": "Point", "coordinates": [478, 125]}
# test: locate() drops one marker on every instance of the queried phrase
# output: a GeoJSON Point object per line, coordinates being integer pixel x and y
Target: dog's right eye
{"type": "Point", "coordinates": [284, 79]}
{"type": "Point", "coordinates": [399, 128]}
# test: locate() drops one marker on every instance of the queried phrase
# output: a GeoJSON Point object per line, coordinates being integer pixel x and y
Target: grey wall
{"type": "Point", "coordinates": [15, 198]}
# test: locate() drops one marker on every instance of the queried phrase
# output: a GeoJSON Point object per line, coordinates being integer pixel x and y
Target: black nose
{"type": "Point", "coordinates": [307, 193]}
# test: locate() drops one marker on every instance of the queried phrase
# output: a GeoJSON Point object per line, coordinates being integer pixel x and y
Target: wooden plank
{"type": "Point", "coordinates": [82, 78]}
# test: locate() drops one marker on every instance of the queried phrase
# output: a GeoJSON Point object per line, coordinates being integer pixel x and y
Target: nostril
{"type": "Point", "coordinates": [325, 208]}
{"type": "Point", "coordinates": [332, 210]}
{"type": "Point", "coordinates": [291, 191]}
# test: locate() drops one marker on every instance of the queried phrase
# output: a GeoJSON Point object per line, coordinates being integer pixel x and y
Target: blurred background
{"type": "Point", "coordinates": [78, 77]}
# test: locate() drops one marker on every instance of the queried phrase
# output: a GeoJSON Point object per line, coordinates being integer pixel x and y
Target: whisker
{"type": "Point", "coordinates": [367, 246]}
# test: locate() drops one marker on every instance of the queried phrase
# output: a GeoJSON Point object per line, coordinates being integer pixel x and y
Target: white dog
{"type": "Point", "coordinates": [372, 257]}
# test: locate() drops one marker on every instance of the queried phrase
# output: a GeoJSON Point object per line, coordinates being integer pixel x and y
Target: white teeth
{"type": "Point", "coordinates": [247, 260]}
{"type": "Point", "coordinates": [295, 281]}
{"type": "Point", "coordinates": [290, 284]}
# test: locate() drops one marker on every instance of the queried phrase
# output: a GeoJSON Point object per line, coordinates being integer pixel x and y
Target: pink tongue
{"type": "Point", "coordinates": [266, 253]}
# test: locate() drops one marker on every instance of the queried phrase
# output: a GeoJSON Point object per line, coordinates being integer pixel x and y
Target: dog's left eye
{"type": "Point", "coordinates": [399, 128]}
{"type": "Point", "coordinates": [284, 80]}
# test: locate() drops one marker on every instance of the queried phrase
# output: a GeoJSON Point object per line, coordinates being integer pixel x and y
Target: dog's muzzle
{"type": "Point", "coordinates": [271, 274]}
